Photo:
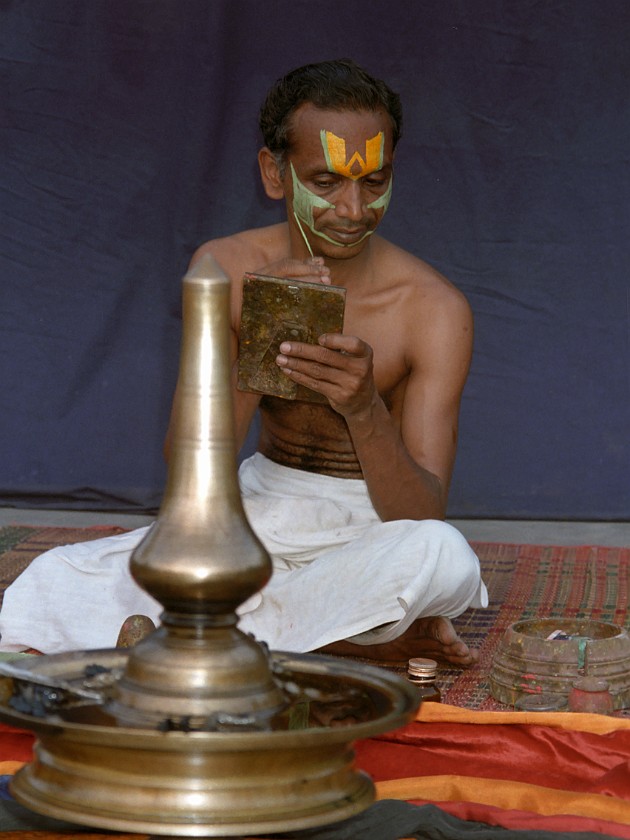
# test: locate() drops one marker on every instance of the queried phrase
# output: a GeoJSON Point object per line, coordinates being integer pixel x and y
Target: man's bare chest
{"type": "Point", "coordinates": [385, 336]}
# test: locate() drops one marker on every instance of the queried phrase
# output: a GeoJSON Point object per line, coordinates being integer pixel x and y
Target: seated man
{"type": "Point", "coordinates": [348, 496]}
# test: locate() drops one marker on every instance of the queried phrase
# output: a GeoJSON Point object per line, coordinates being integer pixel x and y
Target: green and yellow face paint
{"type": "Point", "coordinates": [305, 201]}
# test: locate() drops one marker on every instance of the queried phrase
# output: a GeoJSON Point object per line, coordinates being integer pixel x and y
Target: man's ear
{"type": "Point", "coordinates": [270, 174]}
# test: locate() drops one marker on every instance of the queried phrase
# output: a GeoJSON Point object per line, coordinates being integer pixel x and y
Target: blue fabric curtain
{"type": "Point", "coordinates": [128, 135]}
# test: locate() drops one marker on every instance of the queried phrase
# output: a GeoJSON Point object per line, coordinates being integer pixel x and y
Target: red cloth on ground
{"type": "Point", "coordinates": [506, 764]}
{"type": "Point", "coordinates": [15, 744]}
{"type": "Point", "coordinates": [556, 758]}
{"type": "Point", "coordinates": [558, 772]}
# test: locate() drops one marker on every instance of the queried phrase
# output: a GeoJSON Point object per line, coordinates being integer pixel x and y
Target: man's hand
{"type": "Point", "coordinates": [311, 270]}
{"type": "Point", "coordinates": [339, 367]}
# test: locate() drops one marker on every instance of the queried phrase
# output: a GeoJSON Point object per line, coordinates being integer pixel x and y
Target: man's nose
{"type": "Point", "coordinates": [350, 204]}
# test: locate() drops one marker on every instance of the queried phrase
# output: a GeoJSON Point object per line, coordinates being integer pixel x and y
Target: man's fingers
{"type": "Point", "coordinates": [349, 344]}
{"type": "Point", "coordinates": [328, 345]}
{"type": "Point", "coordinates": [292, 352]}
{"type": "Point", "coordinates": [312, 270]}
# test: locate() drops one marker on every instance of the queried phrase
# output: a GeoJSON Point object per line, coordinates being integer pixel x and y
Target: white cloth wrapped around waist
{"type": "Point", "coordinates": [339, 573]}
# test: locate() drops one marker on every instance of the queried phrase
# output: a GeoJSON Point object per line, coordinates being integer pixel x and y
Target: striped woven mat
{"type": "Point", "coordinates": [524, 582]}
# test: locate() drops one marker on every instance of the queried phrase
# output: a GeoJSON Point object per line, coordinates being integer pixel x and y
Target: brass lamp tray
{"type": "Point", "coordinates": [226, 779]}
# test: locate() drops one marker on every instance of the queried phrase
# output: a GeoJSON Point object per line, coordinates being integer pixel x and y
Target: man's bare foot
{"type": "Point", "coordinates": [433, 636]}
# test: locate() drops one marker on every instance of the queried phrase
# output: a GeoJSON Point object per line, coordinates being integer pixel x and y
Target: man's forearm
{"type": "Point", "coordinates": [399, 487]}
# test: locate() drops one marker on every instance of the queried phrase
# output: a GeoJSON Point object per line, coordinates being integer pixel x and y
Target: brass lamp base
{"type": "Point", "coordinates": [90, 770]}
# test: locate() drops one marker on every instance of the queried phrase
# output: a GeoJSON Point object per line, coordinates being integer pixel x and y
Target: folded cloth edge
{"type": "Point", "coordinates": [507, 795]}
{"type": "Point", "coordinates": [577, 721]}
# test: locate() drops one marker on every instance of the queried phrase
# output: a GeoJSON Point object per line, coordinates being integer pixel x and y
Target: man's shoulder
{"type": "Point", "coordinates": [435, 320]}
{"type": "Point", "coordinates": [246, 249]}
{"type": "Point", "coordinates": [421, 281]}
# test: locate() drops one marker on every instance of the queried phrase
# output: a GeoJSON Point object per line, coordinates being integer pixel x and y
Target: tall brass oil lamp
{"type": "Point", "coordinates": [198, 730]}
{"type": "Point", "coordinates": [201, 558]}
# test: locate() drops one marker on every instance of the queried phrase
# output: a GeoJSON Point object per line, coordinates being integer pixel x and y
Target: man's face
{"type": "Point", "coordinates": [338, 177]}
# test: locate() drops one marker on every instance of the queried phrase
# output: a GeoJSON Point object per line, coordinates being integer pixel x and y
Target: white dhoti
{"type": "Point", "coordinates": [339, 572]}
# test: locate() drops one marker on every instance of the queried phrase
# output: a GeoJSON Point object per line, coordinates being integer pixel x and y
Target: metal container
{"type": "Point", "coordinates": [546, 656]}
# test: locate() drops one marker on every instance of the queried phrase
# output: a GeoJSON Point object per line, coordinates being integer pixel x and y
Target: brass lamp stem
{"type": "Point", "coordinates": [200, 559]}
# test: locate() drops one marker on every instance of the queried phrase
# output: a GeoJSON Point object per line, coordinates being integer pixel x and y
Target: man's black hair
{"type": "Point", "coordinates": [334, 85]}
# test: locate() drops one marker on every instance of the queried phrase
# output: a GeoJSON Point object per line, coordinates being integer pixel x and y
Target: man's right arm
{"type": "Point", "coordinates": [244, 404]}
{"type": "Point", "coordinates": [235, 258]}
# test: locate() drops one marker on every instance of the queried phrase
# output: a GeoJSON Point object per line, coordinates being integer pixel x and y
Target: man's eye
{"type": "Point", "coordinates": [375, 183]}
{"type": "Point", "coordinates": [324, 183]}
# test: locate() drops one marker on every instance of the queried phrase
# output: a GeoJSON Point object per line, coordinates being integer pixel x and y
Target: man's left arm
{"type": "Point", "coordinates": [406, 456]}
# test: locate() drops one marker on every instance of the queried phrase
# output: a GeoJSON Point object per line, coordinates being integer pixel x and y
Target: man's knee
{"type": "Point", "coordinates": [445, 536]}
{"type": "Point", "coordinates": [456, 566]}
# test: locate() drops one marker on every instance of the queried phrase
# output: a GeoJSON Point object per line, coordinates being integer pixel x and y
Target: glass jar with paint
{"type": "Point", "coordinates": [423, 674]}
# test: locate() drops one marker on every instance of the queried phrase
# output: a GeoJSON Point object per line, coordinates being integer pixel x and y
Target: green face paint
{"type": "Point", "coordinates": [382, 203]}
{"type": "Point", "coordinates": [305, 201]}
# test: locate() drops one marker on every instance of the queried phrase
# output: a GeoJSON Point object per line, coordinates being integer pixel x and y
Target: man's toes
{"type": "Point", "coordinates": [467, 658]}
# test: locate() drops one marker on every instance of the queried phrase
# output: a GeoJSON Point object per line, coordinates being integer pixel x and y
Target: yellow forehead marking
{"type": "Point", "coordinates": [357, 167]}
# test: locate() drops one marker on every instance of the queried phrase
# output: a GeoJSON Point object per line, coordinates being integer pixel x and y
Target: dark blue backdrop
{"type": "Point", "coordinates": [128, 136]}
